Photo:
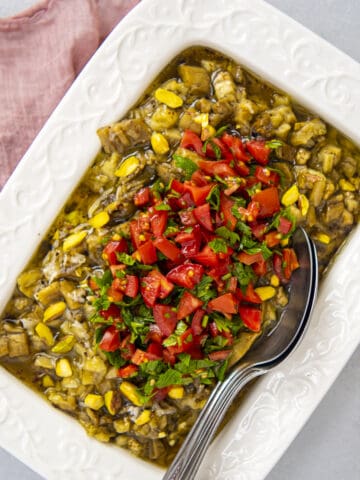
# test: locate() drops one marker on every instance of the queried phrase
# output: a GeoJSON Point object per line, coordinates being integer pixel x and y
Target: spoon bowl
{"type": "Point", "coordinates": [268, 351]}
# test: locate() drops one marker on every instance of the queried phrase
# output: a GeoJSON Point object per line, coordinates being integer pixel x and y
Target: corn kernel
{"type": "Point", "coordinates": [290, 196]}
{"type": "Point", "coordinates": [99, 220]}
{"type": "Point", "coordinates": [127, 167]}
{"type": "Point", "coordinates": [74, 217]}
{"type": "Point", "coordinates": [47, 381]}
{"type": "Point", "coordinates": [303, 204]}
{"type": "Point", "coordinates": [207, 132]}
{"type": "Point", "coordinates": [112, 206]}
{"type": "Point", "coordinates": [265, 293]}
{"type": "Point", "coordinates": [93, 401]}
{"type": "Point", "coordinates": [323, 238]}
{"type": "Point", "coordinates": [169, 98]}
{"type": "Point", "coordinates": [176, 392]}
{"type": "Point", "coordinates": [63, 368]}
{"type": "Point", "coordinates": [159, 143]}
{"type": "Point", "coordinates": [346, 185]}
{"type": "Point", "coordinates": [109, 397]}
{"type": "Point", "coordinates": [73, 240]}
{"type": "Point", "coordinates": [130, 392]}
{"type": "Point", "coordinates": [54, 311]}
{"type": "Point", "coordinates": [65, 345]}
{"type": "Point", "coordinates": [274, 280]}
{"type": "Point", "coordinates": [284, 242]}
{"type": "Point", "coordinates": [143, 418]}
{"type": "Point", "coordinates": [44, 332]}
{"type": "Point", "coordinates": [202, 119]}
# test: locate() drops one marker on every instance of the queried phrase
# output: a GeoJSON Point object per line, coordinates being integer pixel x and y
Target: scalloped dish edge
{"type": "Point", "coordinates": [282, 52]}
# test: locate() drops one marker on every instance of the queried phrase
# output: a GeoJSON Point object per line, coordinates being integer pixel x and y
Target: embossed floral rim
{"type": "Point", "coordinates": [295, 60]}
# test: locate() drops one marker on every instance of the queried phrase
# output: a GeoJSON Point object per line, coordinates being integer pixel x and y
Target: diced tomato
{"type": "Point", "coordinates": [169, 356]}
{"type": "Point", "coordinates": [219, 355]}
{"type": "Point", "coordinates": [219, 271]}
{"type": "Point", "coordinates": [216, 167]}
{"type": "Point", "coordinates": [250, 294]}
{"type": "Point", "coordinates": [177, 186]}
{"type": "Point", "coordinates": [186, 275]}
{"type": "Point", "coordinates": [110, 340]}
{"type": "Point", "coordinates": [161, 393]}
{"type": "Point", "coordinates": [138, 236]}
{"type": "Point", "coordinates": [290, 262]}
{"type": "Point", "coordinates": [258, 229]}
{"type": "Point", "coordinates": [260, 268]}
{"type": "Point", "coordinates": [114, 294]}
{"type": "Point", "coordinates": [112, 312]}
{"type": "Point", "coordinates": [273, 238]}
{"type": "Point", "coordinates": [185, 201]}
{"type": "Point", "coordinates": [214, 331]}
{"type": "Point", "coordinates": [150, 289]}
{"type": "Point", "coordinates": [114, 247]}
{"type": "Point", "coordinates": [266, 176]}
{"type": "Point", "coordinates": [132, 286]}
{"type": "Point", "coordinates": [226, 205]}
{"type": "Point", "coordinates": [187, 218]}
{"type": "Point", "coordinates": [250, 258]}
{"type": "Point", "coordinates": [199, 194]}
{"type": "Point", "coordinates": [154, 351]}
{"type": "Point", "coordinates": [165, 318]}
{"type": "Point", "coordinates": [203, 216]}
{"type": "Point", "coordinates": [232, 285]}
{"type": "Point", "coordinates": [188, 304]}
{"type": "Point", "coordinates": [117, 268]}
{"type": "Point", "coordinates": [226, 303]}
{"type": "Point", "coordinates": [167, 248]}
{"type": "Point", "coordinates": [196, 326]}
{"type": "Point", "coordinates": [222, 148]}
{"type": "Point", "coordinates": [268, 200]}
{"type": "Point", "coordinates": [158, 221]}
{"type": "Point", "coordinates": [93, 285]}
{"type": "Point", "coordinates": [251, 317]}
{"type": "Point", "coordinates": [236, 147]}
{"type": "Point", "coordinates": [259, 150]}
{"type": "Point", "coordinates": [139, 357]}
{"type": "Point", "coordinates": [192, 141]}
{"type": "Point", "coordinates": [147, 253]}
{"type": "Point", "coordinates": [128, 371]}
{"type": "Point", "coordinates": [166, 287]}
{"type": "Point", "coordinates": [277, 264]}
{"type": "Point", "coordinates": [207, 257]}
{"type": "Point", "coordinates": [154, 334]}
{"type": "Point", "coordinates": [127, 348]}
{"type": "Point", "coordinates": [142, 197]}
{"type": "Point", "coordinates": [242, 168]}
{"type": "Point", "coordinates": [285, 225]}
{"type": "Point", "coordinates": [199, 178]}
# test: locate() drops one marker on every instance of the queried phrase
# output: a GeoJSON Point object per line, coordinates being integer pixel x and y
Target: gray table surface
{"type": "Point", "coordinates": [328, 446]}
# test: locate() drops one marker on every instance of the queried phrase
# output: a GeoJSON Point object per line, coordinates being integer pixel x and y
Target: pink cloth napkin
{"type": "Point", "coordinates": [42, 50]}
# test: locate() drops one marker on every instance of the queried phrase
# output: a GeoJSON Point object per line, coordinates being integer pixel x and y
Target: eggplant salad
{"type": "Point", "coordinates": [174, 253]}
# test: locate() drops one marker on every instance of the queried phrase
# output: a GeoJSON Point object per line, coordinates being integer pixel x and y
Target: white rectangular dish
{"type": "Point", "coordinates": [293, 59]}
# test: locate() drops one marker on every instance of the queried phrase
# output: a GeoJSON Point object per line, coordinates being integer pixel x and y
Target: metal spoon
{"type": "Point", "coordinates": [267, 352]}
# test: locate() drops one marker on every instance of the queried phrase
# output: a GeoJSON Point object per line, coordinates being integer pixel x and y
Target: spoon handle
{"type": "Point", "coordinates": [189, 457]}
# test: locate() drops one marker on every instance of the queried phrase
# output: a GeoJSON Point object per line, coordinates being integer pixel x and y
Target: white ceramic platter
{"type": "Point", "coordinates": [295, 60]}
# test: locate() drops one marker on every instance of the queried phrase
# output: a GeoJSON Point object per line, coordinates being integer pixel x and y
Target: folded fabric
{"type": "Point", "coordinates": [42, 50]}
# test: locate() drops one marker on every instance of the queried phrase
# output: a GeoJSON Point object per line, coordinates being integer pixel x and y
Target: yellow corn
{"type": "Point", "coordinates": [290, 196]}
{"type": "Point", "coordinates": [109, 397]}
{"type": "Point", "coordinates": [112, 206]}
{"type": "Point", "coordinates": [169, 98]}
{"type": "Point", "coordinates": [207, 132]}
{"type": "Point", "coordinates": [54, 311]}
{"type": "Point", "coordinates": [74, 217]}
{"type": "Point", "coordinates": [73, 240]}
{"type": "Point", "coordinates": [265, 293]}
{"type": "Point", "coordinates": [130, 392]}
{"type": "Point", "coordinates": [47, 381]}
{"type": "Point", "coordinates": [56, 235]}
{"type": "Point", "coordinates": [176, 392]}
{"type": "Point", "coordinates": [127, 167]}
{"type": "Point", "coordinates": [284, 242]}
{"type": "Point", "coordinates": [65, 345]}
{"type": "Point", "coordinates": [143, 418]}
{"type": "Point", "coordinates": [303, 204]}
{"type": "Point", "coordinates": [63, 368]}
{"type": "Point", "coordinates": [159, 143]}
{"type": "Point", "coordinates": [346, 185]}
{"type": "Point", "coordinates": [99, 220]}
{"type": "Point", "coordinates": [323, 238]}
{"type": "Point", "coordinates": [274, 280]}
{"type": "Point", "coordinates": [44, 332]}
{"type": "Point", "coordinates": [202, 119]}
{"type": "Point", "coordinates": [93, 401]}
